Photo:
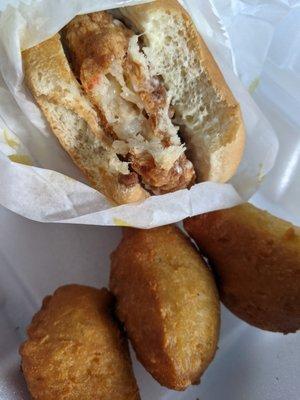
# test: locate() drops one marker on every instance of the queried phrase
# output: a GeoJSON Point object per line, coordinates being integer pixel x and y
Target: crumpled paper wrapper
{"type": "Point", "coordinates": [38, 180]}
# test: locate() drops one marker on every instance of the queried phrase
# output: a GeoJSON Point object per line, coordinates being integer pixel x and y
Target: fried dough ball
{"type": "Point", "coordinates": [168, 302]}
{"type": "Point", "coordinates": [75, 350]}
{"type": "Point", "coordinates": [256, 259]}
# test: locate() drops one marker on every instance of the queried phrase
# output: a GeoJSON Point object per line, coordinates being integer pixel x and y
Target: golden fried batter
{"type": "Point", "coordinates": [256, 258]}
{"type": "Point", "coordinates": [168, 302]}
{"type": "Point", "coordinates": [75, 350]}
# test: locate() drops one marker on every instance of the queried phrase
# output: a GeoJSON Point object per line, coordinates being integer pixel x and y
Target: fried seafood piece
{"type": "Point", "coordinates": [133, 104]}
{"type": "Point", "coordinates": [75, 349]}
{"type": "Point", "coordinates": [168, 302]}
{"type": "Point", "coordinates": [256, 260]}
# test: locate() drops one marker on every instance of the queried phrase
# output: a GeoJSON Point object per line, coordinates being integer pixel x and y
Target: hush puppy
{"type": "Point", "coordinates": [75, 350]}
{"type": "Point", "coordinates": [168, 302]}
{"type": "Point", "coordinates": [256, 259]}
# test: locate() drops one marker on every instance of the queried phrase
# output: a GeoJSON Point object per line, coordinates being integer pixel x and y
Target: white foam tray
{"type": "Point", "coordinates": [35, 259]}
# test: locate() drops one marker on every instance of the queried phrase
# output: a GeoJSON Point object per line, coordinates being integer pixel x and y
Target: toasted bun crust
{"type": "Point", "coordinates": [74, 121]}
{"type": "Point", "coordinates": [256, 259]}
{"type": "Point", "coordinates": [75, 349]}
{"type": "Point", "coordinates": [168, 301]}
{"type": "Point", "coordinates": [215, 149]}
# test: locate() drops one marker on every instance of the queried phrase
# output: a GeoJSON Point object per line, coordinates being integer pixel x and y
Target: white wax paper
{"type": "Point", "coordinates": [50, 188]}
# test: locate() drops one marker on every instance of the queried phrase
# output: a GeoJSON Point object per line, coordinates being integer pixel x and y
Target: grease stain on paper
{"type": "Point", "coordinates": [14, 143]}
{"type": "Point", "coordinates": [10, 140]}
{"type": "Point", "coordinates": [254, 85]}
{"type": "Point", "coordinates": [261, 173]}
{"type": "Point", "coordinates": [121, 222]}
{"type": "Point", "coordinates": [21, 159]}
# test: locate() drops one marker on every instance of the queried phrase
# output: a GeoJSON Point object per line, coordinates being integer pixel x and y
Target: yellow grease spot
{"type": "Point", "coordinates": [13, 143]}
{"type": "Point", "coordinates": [253, 85]}
{"type": "Point", "coordinates": [21, 159]}
{"type": "Point", "coordinates": [260, 174]}
{"type": "Point", "coordinates": [120, 222]}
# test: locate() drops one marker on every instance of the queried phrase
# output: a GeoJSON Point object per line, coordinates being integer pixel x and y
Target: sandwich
{"type": "Point", "coordinates": [136, 99]}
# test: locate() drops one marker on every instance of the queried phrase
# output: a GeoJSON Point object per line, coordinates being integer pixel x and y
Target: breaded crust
{"type": "Point", "coordinates": [75, 350]}
{"type": "Point", "coordinates": [168, 302]}
{"type": "Point", "coordinates": [256, 259]}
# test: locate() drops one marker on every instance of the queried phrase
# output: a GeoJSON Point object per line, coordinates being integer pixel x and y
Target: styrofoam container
{"type": "Point", "coordinates": [36, 258]}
